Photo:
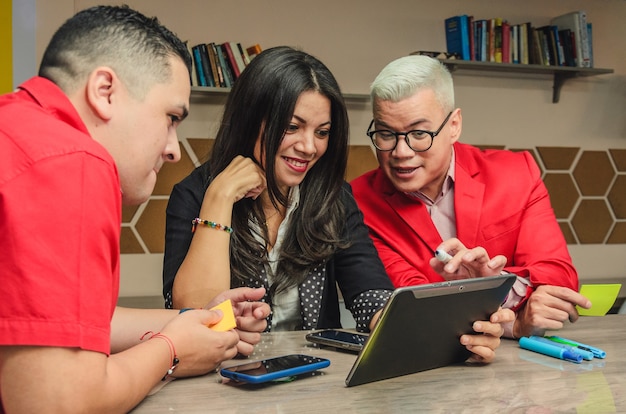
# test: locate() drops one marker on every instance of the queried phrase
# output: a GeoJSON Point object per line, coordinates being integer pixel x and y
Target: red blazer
{"type": "Point", "coordinates": [500, 203]}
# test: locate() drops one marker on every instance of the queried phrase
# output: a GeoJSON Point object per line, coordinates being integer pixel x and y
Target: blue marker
{"type": "Point", "coordinates": [597, 352]}
{"type": "Point", "coordinates": [587, 355]}
{"type": "Point", "coordinates": [550, 350]}
{"type": "Point", "coordinates": [442, 256]}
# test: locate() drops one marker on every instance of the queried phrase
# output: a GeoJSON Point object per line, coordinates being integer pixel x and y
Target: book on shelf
{"type": "Point", "coordinates": [497, 40]}
{"type": "Point", "coordinates": [244, 54]}
{"type": "Point", "coordinates": [212, 47]}
{"type": "Point", "coordinates": [506, 42]}
{"type": "Point", "coordinates": [197, 64]}
{"type": "Point", "coordinates": [457, 36]}
{"type": "Point", "coordinates": [229, 55]}
{"type": "Point", "coordinates": [567, 41]}
{"type": "Point", "coordinates": [590, 42]}
{"type": "Point", "coordinates": [471, 35]}
{"type": "Point", "coordinates": [237, 55]}
{"type": "Point", "coordinates": [223, 61]}
{"type": "Point", "coordinates": [253, 50]}
{"type": "Point", "coordinates": [524, 34]}
{"type": "Point", "coordinates": [515, 44]}
{"type": "Point", "coordinates": [576, 21]}
{"type": "Point", "coordinates": [215, 69]}
{"type": "Point", "coordinates": [206, 65]}
{"type": "Point", "coordinates": [193, 77]}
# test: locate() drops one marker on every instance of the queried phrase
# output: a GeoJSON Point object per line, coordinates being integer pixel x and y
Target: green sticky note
{"type": "Point", "coordinates": [602, 297]}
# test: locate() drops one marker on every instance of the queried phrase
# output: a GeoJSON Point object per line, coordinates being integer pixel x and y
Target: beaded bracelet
{"type": "Point", "coordinates": [170, 344]}
{"type": "Point", "coordinates": [211, 224]}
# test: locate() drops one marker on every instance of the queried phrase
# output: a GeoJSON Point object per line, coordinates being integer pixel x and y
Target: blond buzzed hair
{"type": "Point", "coordinates": [407, 75]}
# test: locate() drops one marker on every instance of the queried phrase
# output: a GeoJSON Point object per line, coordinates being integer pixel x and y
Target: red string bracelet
{"type": "Point", "coordinates": [170, 344]}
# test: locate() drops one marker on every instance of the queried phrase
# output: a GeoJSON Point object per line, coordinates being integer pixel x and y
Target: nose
{"type": "Point", "coordinates": [306, 143]}
{"type": "Point", "coordinates": [172, 150]}
{"type": "Point", "coordinates": [402, 149]}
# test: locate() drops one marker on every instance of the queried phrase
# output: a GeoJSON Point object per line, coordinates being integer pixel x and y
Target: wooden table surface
{"type": "Point", "coordinates": [518, 381]}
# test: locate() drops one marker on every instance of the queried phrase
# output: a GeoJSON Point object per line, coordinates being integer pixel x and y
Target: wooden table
{"type": "Point", "coordinates": [518, 381]}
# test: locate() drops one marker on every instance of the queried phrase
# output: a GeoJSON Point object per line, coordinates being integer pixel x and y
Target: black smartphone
{"type": "Point", "coordinates": [351, 341]}
{"type": "Point", "coordinates": [274, 368]}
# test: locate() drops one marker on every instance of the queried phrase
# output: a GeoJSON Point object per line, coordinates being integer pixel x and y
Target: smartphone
{"type": "Point", "coordinates": [351, 341]}
{"type": "Point", "coordinates": [274, 368]}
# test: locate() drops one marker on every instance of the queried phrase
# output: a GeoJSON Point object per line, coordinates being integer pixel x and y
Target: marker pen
{"type": "Point", "coordinates": [550, 350]}
{"type": "Point", "coordinates": [587, 355]}
{"type": "Point", "coordinates": [597, 352]}
{"type": "Point", "coordinates": [442, 256]}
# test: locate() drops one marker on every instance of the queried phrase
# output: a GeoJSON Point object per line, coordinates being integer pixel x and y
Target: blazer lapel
{"type": "Point", "coordinates": [468, 204]}
{"type": "Point", "coordinates": [415, 215]}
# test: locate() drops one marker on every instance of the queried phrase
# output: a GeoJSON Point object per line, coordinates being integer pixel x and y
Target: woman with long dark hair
{"type": "Point", "coordinates": [271, 208]}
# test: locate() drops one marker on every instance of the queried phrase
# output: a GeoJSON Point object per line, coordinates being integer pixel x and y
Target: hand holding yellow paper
{"type": "Point", "coordinates": [228, 322]}
{"type": "Point", "coordinates": [602, 297]}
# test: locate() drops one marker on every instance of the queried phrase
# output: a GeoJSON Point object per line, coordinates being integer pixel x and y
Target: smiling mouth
{"type": "Point", "coordinates": [296, 163]}
{"type": "Point", "coordinates": [405, 170]}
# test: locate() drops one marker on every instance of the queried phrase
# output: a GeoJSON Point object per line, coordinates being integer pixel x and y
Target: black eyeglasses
{"type": "Point", "coordinates": [417, 139]}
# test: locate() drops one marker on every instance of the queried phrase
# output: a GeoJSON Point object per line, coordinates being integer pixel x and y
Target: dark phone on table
{"type": "Point", "coordinates": [352, 341]}
{"type": "Point", "coordinates": [274, 368]}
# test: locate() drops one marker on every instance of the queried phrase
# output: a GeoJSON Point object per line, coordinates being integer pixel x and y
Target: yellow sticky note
{"type": "Point", "coordinates": [228, 321]}
{"type": "Point", "coordinates": [602, 297]}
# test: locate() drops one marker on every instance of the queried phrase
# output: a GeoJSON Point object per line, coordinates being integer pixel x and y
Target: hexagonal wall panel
{"type": "Point", "coordinates": [618, 234]}
{"type": "Point", "coordinates": [619, 158]}
{"type": "Point", "coordinates": [568, 233]}
{"type": "Point", "coordinates": [361, 159]}
{"type": "Point", "coordinates": [172, 173]}
{"type": "Point", "coordinates": [593, 173]}
{"type": "Point", "coordinates": [128, 212]}
{"type": "Point", "coordinates": [557, 158]}
{"type": "Point", "coordinates": [592, 221]}
{"type": "Point", "coordinates": [563, 193]}
{"type": "Point", "coordinates": [129, 243]}
{"type": "Point", "coordinates": [617, 197]}
{"type": "Point", "coordinates": [201, 147]}
{"type": "Point", "coordinates": [151, 226]}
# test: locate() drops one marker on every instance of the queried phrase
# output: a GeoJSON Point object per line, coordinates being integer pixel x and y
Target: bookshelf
{"type": "Point", "coordinates": [560, 74]}
{"type": "Point", "coordinates": [205, 91]}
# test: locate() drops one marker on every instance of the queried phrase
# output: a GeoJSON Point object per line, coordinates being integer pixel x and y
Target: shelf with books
{"type": "Point", "coordinates": [560, 74]}
{"type": "Point", "coordinates": [202, 91]}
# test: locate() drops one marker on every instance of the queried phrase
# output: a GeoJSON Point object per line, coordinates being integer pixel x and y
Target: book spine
{"type": "Point", "coordinates": [244, 54]}
{"type": "Point", "coordinates": [584, 39]}
{"type": "Point", "coordinates": [471, 35]}
{"type": "Point", "coordinates": [228, 77]}
{"type": "Point", "coordinates": [492, 40]}
{"type": "Point", "coordinates": [590, 42]}
{"type": "Point", "coordinates": [253, 50]}
{"type": "Point", "coordinates": [515, 43]}
{"type": "Point", "coordinates": [197, 60]}
{"type": "Point", "coordinates": [218, 65]}
{"type": "Point", "coordinates": [465, 43]}
{"type": "Point", "coordinates": [497, 40]}
{"type": "Point", "coordinates": [237, 55]}
{"type": "Point", "coordinates": [193, 78]}
{"type": "Point", "coordinates": [506, 42]}
{"type": "Point", "coordinates": [230, 58]}
{"type": "Point", "coordinates": [206, 65]}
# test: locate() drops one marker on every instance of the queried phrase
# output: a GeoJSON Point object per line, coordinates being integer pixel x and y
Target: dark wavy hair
{"type": "Point", "coordinates": [262, 103]}
{"type": "Point", "coordinates": [137, 47]}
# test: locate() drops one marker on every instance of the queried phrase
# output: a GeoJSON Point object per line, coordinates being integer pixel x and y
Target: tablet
{"type": "Point", "coordinates": [420, 326]}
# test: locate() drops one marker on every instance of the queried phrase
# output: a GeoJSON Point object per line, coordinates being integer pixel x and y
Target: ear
{"type": "Point", "coordinates": [455, 124]}
{"type": "Point", "coordinates": [102, 84]}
